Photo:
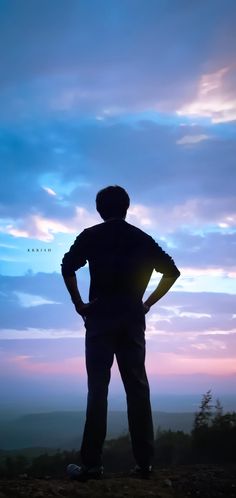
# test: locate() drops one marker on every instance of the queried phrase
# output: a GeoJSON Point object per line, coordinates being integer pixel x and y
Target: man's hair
{"type": "Point", "coordinates": [112, 202]}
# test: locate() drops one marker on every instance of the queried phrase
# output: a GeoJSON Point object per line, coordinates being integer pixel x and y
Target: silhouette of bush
{"type": "Point", "coordinates": [214, 433]}
{"type": "Point", "coordinates": [172, 447]}
{"type": "Point", "coordinates": [53, 465]}
{"type": "Point", "coordinates": [12, 466]}
{"type": "Point", "coordinates": [118, 454]}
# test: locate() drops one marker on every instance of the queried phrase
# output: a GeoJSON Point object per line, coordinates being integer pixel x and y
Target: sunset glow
{"type": "Point", "coordinates": [127, 93]}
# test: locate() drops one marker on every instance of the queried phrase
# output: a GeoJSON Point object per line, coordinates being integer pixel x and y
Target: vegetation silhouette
{"type": "Point", "coordinates": [212, 440]}
{"type": "Point", "coordinates": [214, 433]}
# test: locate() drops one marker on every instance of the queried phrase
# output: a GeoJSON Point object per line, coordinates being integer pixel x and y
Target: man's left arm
{"type": "Point", "coordinates": [164, 264]}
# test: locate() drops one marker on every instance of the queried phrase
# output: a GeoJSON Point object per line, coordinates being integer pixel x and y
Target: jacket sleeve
{"type": "Point", "coordinates": [163, 263]}
{"type": "Point", "coordinates": [76, 257]}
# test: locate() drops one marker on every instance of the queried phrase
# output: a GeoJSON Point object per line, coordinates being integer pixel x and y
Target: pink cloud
{"type": "Point", "coordinates": [42, 228]}
{"type": "Point", "coordinates": [173, 364]}
{"type": "Point", "coordinates": [215, 97]}
{"type": "Point", "coordinates": [30, 364]}
{"type": "Point", "coordinates": [157, 363]}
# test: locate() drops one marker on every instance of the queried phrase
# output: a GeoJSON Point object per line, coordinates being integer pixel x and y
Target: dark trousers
{"type": "Point", "coordinates": [129, 348]}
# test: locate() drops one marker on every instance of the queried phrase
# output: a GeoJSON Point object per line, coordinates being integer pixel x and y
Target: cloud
{"type": "Point", "coordinates": [47, 315]}
{"type": "Point", "coordinates": [140, 215]}
{"type": "Point", "coordinates": [28, 300]}
{"type": "Point", "coordinates": [34, 333]}
{"type": "Point", "coordinates": [94, 57]}
{"type": "Point", "coordinates": [68, 366]}
{"type": "Point", "coordinates": [49, 190]}
{"type": "Point", "coordinates": [180, 324]}
{"type": "Point", "coordinates": [172, 364]}
{"type": "Point", "coordinates": [192, 139]}
{"type": "Point", "coordinates": [181, 220]}
{"type": "Point", "coordinates": [211, 355]}
{"type": "Point", "coordinates": [211, 254]}
{"type": "Point", "coordinates": [216, 97]}
{"type": "Point", "coordinates": [41, 228]}
{"type": "Point", "coordinates": [143, 156]}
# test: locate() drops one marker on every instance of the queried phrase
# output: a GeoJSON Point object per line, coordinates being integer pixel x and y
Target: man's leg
{"type": "Point", "coordinates": [130, 354]}
{"type": "Point", "coordinates": [99, 359]}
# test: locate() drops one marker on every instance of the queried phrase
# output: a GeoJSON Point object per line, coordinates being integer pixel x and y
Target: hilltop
{"type": "Point", "coordinates": [202, 481]}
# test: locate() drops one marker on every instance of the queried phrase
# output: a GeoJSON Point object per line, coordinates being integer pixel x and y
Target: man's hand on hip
{"type": "Point", "coordinates": [146, 308]}
{"type": "Point", "coordinates": [83, 308]}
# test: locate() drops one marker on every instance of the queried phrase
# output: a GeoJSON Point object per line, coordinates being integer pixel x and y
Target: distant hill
{"type": "Point", "coordinates": [64, 429]}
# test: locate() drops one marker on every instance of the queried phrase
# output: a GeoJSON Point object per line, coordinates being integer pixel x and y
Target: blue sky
{"type": "Point", "coordinates": [135, 93]}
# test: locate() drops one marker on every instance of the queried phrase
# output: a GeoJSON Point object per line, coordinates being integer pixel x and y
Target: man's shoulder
{"type": "Point", "coordinates": [139, 232]}
{"type": "Point", "coordinates": [98, 226]}
{"type": "Point", "coordinates": [123, 229]}
{"type": "Point", "coordinates": [93, 229]}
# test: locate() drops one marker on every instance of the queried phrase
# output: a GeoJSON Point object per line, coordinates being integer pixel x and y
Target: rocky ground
{"type": "Point", "coordinates": [202, 481]}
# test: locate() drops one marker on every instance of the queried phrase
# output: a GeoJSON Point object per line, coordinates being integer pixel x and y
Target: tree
{"type": "Point", "coordinates": [201, 433]}
{"type": "Point", "coordinates": [218, 414]}
{"type": "Point", "coordinates": [203, 418]}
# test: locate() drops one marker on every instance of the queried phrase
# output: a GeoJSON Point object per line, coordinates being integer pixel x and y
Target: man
{"type": "Point", "coordinates": [121, 260]}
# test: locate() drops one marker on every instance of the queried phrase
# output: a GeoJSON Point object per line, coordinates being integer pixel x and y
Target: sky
{"type": "Point", "coordinates": [136, 93]}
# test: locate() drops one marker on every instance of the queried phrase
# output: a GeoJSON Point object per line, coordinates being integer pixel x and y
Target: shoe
{"type": "Point", "coordinates": [143, 472]}
{"type": "Point", "coordinates": [83, 473]}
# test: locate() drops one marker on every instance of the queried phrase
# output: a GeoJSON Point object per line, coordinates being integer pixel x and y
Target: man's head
{"type": "Point", "coordinates": [112, 202]}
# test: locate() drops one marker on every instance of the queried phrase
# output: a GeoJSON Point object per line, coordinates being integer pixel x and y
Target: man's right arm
{"type": "Point", "coordinates": [74, 259]}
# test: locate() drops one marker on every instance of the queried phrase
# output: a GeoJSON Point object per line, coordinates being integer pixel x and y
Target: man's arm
{"type": "Point", "coordinates": [72, 287]}
{"type": "Point", "coordinates": [164, 264]}
{"type": "Point", "coordinates": [72, 261]}
{"type": "Point", "coordinates": [162, 288]}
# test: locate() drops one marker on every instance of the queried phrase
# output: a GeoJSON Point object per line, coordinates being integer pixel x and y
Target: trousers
{"type": "Point", "coordinates": [128, 345]}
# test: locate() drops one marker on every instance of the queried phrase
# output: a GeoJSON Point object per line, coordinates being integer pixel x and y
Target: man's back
{"type": "Point", "coordinates": [121, 260]}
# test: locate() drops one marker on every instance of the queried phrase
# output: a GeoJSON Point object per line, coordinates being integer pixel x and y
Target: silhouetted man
{"type": "Point", "coordinates": [121, 260]}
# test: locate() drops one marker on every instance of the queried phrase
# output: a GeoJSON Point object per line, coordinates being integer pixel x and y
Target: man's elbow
{"type": "Point", "coordinates": [66, 267]}
{"type": "Point", "coordinates": [177, 275]}
{"type": "Point", "coordinates": [173, 275]}
{"type": "Point", "coordinates": [67, 272]}
{"type": "Point", "coordinates": [63, 269]}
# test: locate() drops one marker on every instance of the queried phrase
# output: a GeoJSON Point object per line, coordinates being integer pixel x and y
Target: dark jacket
{"type": "Point", "coordinates": [121, 260]}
